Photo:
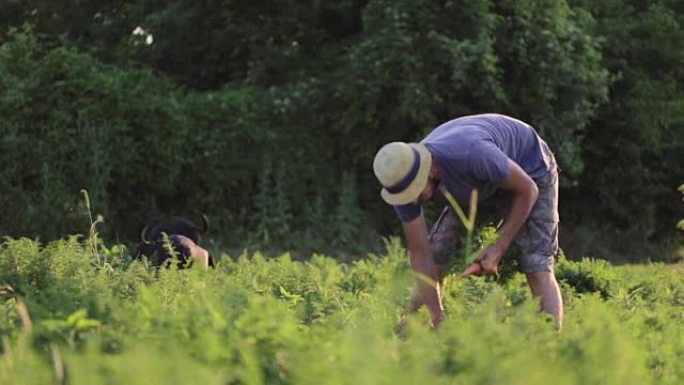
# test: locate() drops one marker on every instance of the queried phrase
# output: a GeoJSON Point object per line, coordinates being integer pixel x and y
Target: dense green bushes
{"type": "Point", "coordinates": [143, 147]}
{"type": "Point", "coordinates": [70, 122]}
{"type": "Point", "coordinates": [258, 320]}
{"type": "Point", "coordinates": [636, 142]}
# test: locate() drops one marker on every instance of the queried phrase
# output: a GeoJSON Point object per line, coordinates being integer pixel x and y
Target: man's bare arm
{"type": "Point", "coordinates": [424, 266]}
{"type": "Point", "coordinates": [524, 193]}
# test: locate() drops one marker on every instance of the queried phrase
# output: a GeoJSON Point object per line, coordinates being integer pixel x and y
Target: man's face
{"type": "Point", "coordinates": [428, 191]}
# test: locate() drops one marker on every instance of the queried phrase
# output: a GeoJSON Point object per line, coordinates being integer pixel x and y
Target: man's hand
{"type": "Point", "coordinates": [487, 262]}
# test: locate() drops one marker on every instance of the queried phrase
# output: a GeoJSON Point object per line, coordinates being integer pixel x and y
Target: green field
{"type": "Point", "coordinates": [76, 312]}
{"type": "Point", "coordinates": [265, 116]}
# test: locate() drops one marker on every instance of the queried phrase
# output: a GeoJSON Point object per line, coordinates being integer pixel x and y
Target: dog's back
{"type": "Point", "coordinates": [162, 251]}
{"type": "Point", "coordinates": [183, 240]}
{"type": "Point", "coordinates": [176, 225]}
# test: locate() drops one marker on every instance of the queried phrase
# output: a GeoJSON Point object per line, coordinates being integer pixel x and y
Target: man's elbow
{"type": "Point", "coordinates": [534, 191]}
{"type": "Point", "coordinates": [527, 191]}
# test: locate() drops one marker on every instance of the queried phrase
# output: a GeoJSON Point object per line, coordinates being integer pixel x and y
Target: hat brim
{"type": "Point", "coordinates": [410, 193]}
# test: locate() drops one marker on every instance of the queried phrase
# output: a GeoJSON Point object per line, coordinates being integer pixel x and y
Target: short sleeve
{"type": "Point", "coordinates": [489, 164]}
{"type": "Point", "coordinates": [407, 213]}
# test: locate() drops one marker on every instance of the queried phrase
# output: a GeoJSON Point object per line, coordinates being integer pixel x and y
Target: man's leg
{"type": "Point", "coordinates": [538, 241]}
{"type": "Point", "coordinates": [543, 284]}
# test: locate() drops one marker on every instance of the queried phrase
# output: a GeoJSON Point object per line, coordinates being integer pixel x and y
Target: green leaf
{"type": "Point", "coordinates": [86, 323]}
{"type": "Point", "coordinates": [76, 316]}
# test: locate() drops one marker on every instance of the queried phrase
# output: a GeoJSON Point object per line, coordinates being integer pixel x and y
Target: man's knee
{"type": "Point", "coordinates": [541, 276]}
{"type": "Point", "coordinates": [543, 285]}
{"type": "Point", "coordinates": [541, 281]}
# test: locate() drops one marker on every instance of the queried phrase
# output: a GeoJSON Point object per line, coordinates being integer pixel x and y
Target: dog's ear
{"type": "Point", "coordinates": [143, 234]}
{"type": "Point", "coordinates": [205, 224]}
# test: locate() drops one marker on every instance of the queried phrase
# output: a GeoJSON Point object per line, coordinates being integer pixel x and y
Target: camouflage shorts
{"type": "Point", "coordinates": [537, 238]}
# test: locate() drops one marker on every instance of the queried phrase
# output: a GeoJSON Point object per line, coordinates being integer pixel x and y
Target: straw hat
{"type": "Point", "coordinates": [402, 169]}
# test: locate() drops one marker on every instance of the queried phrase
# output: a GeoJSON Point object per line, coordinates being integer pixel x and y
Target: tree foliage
{"type": "Point", "coordinates": [158, 106]}
{"type": "Point", "coordinates": [636, 141]}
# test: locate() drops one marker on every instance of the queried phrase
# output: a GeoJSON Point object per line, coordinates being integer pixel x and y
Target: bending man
{"type": "Point", "coordinates": [506, 161]}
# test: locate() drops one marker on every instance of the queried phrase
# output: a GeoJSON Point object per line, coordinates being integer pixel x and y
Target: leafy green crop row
{"type": "Point", "coordinates": [257, 320]}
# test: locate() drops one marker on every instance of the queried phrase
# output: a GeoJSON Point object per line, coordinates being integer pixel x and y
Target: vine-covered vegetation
{"type": "Point", "coordinates": [266, 115]}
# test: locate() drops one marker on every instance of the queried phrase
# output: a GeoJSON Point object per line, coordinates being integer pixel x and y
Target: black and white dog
{"type": "Point", "coordinates": [176, 237]}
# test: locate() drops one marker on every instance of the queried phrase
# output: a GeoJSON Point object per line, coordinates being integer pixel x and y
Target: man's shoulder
{"type": "Point", "coordinates": [467, 129]}
{"type": "Point", "coordinates": [408, 213]}
{"type": "Point", "coordinates": [457, 145]}
{"type": "Point", "coordinates": [468, 124]}
{"type": "Point", "coordinates": [492, 117]}
{"type": "Point", "coordinates": [453, 138]}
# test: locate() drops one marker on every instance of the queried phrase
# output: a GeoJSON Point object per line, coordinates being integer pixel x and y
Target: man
{"type": "Point", "coordinates": [495, 155]}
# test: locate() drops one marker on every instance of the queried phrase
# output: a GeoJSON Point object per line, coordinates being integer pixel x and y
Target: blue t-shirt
{"type": "Point", "coordinates": [472, 152]}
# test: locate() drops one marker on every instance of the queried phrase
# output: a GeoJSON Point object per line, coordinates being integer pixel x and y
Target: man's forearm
{"type": "Point", "coordinates": [427, 272]}
{"type": "Point", "coordinates": [521, 205]}
{"type": "Point", "coordinates": [524, 192]}
{"type": "Point", "coordinates": [428, 283]}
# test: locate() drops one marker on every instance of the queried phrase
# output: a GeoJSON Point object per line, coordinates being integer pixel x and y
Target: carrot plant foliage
{"type": "Point", "coordinates": [72, 314]}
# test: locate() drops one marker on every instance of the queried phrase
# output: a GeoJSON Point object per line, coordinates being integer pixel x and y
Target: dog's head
{"type": "Point", "coordinates": [175, 225]}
